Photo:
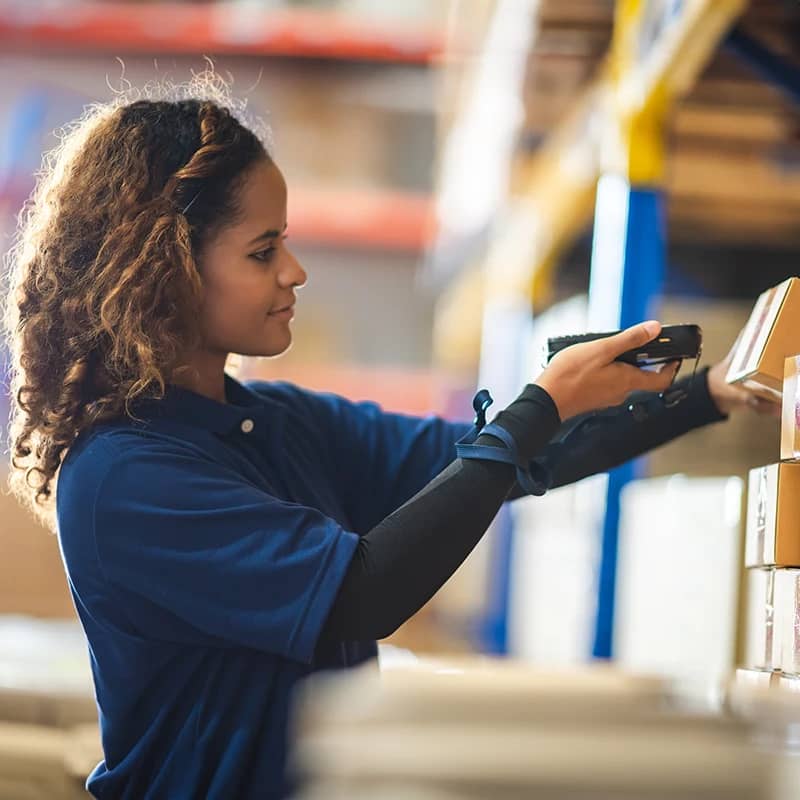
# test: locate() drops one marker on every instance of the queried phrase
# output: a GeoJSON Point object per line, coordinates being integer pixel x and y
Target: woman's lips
{"type": "Point", "coordinates": [283, 313]}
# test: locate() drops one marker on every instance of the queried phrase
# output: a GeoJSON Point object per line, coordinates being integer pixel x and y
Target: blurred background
{"type": "Point", "coordinates": [466, 178]}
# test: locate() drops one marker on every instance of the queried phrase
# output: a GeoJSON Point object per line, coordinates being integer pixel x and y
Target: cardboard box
{"type": "Point", "coordinates": [773, 516]}
{"type": "Point", "coordinates": [772, 332]}
{"type": "Point", "coordinates": [789, 683]}
{"type": "Point", "coordinates": [787, 619]}
{"type": "Point", "coordinates": [54, 709]}
{"type": "Point", "coordinates": [33, 764]}
{"type": "Point", "coordinates": [756, 678]}
{"type": "Point", "coordinates": [84, 752]}
{"type": "Point", "coordinates": [790, 411]}
{"type": "Point", "coordinates": [761, 650]}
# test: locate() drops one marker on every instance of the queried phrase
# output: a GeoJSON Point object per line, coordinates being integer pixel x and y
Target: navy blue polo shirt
{"type": "Point", "coordinates": [204, 544]}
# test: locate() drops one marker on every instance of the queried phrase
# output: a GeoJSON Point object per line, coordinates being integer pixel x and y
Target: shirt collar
{"type": "Point", "coordinates": [183, 405]}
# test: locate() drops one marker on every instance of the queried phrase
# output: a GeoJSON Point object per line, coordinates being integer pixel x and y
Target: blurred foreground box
{"type": "Point", "coordinates": [49, 737]}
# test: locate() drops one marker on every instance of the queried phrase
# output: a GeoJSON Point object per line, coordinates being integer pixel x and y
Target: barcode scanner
{"type": "Point", "coordinates": [673, 343]}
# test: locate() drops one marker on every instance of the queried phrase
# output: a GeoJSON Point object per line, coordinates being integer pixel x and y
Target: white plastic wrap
{"type": "Point", "coordinates": [787, 619]}
{"type": "Point", "coordinates": [761, 646]}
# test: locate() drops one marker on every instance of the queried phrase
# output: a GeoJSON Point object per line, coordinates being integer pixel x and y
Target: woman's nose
{"type": "Point", "coordinates": [293, 273]}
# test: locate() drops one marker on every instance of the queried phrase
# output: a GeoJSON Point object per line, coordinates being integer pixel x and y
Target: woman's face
{"type": "Point", "coordinates": [249, 274]}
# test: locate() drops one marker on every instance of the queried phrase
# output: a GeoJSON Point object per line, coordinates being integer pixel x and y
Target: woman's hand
{"type": "Point", "coordinates": [728, 398]}
{"type": "Point", "coordinates": [585, 377]}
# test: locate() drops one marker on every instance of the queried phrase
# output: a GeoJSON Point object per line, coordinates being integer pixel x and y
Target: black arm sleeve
{"type": "Point", "coordinates": [401, 563]}
{"type": "Point", "coordinates": [599, 441]}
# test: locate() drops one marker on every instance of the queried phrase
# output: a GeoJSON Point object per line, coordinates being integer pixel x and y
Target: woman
{"type": "Point", "coordinates": [222, 541]}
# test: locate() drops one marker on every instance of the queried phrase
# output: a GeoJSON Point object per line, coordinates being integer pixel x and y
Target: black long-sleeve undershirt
{"type": "Point", "coordinates": [599, 441]}
{"type": "Point", "coordinates": [401, 563]}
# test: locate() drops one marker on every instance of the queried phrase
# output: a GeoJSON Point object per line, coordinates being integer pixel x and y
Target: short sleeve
{"type": "Point", "coordinates": [200, 555]}
{"type": "Point", "coordinates": [377, 459]}
{"type": "Point", "coordinates": [396, 455]}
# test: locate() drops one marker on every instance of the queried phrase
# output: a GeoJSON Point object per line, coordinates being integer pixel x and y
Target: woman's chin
{"type": "Point", "coordinates": [270, 351]}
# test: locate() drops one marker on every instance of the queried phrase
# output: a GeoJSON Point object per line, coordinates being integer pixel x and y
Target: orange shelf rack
{"type": "Point", "coordinates": [215, 29]}
{"type": "Point", "coordinates": [348, 218]}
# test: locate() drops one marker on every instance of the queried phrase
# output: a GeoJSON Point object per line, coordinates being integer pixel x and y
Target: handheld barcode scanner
{"type": "Point", "coordinates": [674, 343]}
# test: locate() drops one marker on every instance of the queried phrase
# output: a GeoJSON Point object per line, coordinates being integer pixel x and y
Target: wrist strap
{"type": "Point", "coordinates": [467, 449]}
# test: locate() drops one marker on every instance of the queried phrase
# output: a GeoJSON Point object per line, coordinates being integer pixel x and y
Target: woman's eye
{"type": "Point", "coordinates": [264, 255]}
{"type": "Point", "coordinates": [269, 252]}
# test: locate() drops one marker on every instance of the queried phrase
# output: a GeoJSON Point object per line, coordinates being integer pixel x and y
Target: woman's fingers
{"type": "Point", "coordinates": [629, 339]}
{"type": "Point", "coordinates": [635, 379]}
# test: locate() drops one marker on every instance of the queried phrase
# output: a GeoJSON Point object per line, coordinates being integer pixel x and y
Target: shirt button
{"type": "Point", "coordinates": [247, 425]}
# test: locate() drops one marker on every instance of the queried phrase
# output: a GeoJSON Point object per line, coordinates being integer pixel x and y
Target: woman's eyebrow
{"type": "Point", "coordinates": [270, 234]}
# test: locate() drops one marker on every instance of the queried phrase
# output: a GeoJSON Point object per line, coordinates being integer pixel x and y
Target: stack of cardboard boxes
{"type": "Point", "coordinates": [772, 540]}
{"type": "Point", "coordinates": [772, 561]}
{"type": "Point", "coordinates": [787, 579]}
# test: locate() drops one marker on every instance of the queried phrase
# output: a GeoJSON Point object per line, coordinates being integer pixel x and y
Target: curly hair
{"type": "Point", "coordinates": [104, 285]}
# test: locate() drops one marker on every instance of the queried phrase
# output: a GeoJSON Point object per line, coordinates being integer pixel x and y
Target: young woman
{"type": "Point", "coordinates": [221, 540]}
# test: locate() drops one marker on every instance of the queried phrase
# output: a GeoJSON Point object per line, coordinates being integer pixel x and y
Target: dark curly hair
{"type": "Point", "coordinates": [104, 285]}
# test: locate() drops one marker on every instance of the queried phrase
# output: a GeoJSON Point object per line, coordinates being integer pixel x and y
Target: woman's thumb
{"type": "Point", "coordinates": [635, 336]}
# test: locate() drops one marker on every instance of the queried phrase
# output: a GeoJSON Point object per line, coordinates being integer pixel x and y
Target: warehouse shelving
{"type": "Point", "coordinates": [359, 219]}
{"type": "Point", "coordinates": [616, 128]}
{"type": "Point", "coordinates": [218, 29]}
{"type": "Point", "coordinates": [374, 218]}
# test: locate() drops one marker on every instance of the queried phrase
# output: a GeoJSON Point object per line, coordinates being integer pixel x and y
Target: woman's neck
{"type": "Point", "coordinates": [204, 374]}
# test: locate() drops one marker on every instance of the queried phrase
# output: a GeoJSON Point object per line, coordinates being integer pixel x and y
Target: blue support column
{"type": "Point", "coordinates": [627, 276]}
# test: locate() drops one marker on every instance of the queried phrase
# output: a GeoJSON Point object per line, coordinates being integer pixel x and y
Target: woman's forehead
{"type": "Point", "coordinates": [264, 190]}
{"type": "Point", "coordinates": [261, 201]}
